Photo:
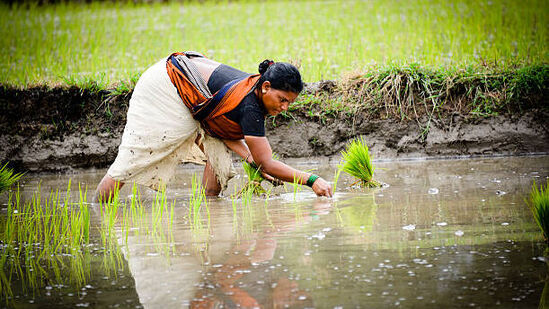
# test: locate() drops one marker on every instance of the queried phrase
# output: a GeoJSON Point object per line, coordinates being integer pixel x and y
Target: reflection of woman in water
{"type": "Point", "coordinates": [234, 281]}
{"type": "Point", "coordinates": [172, 111]}
{"type": "Point", "coordinates": [237, 283]}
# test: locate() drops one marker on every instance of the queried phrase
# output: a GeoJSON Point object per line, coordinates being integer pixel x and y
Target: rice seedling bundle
{"type": "Point", "coordinates": [254, 180]}
{"type": "Point", "coordinates": [539, 204]}
{"type": "Point", "coordinates": [357, 162]}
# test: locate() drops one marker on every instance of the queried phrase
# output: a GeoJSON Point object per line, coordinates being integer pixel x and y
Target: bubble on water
{"type": "Point", "coordinates": [409, 227]}
{"type": "Point", "coordinates": [319, 236]}
{"type": "Point", "coordinates": [442, 223]}
{"type": "Point", "coordinates": [458, 233]}
{"type": "Point", "coordinates": [432, 191]}
{"type": "Point", "coordinates": [540, 258]}
{"type": "Point", "coordinates": [419, 261]}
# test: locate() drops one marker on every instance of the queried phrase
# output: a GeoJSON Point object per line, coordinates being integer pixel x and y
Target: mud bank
{"type": "Point", "coordinates": [62, 129]}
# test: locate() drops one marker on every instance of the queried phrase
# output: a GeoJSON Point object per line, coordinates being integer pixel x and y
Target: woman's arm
{"type": "Point", "coordinates": [262, 154]}
{"type": "Point", "coordinates": [240, 147]}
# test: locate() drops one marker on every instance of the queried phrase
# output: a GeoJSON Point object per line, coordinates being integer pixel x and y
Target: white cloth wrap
{"type": "Point", "coordinates": [160, 132]}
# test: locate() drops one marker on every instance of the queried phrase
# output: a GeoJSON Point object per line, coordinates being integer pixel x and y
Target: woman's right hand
{"type": "Point", "coordinates": [322, 188]}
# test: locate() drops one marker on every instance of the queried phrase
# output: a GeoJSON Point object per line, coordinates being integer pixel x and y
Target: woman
{"type": "Point", "coordinates": [161, 131]}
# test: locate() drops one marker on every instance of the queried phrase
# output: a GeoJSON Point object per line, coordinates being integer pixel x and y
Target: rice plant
{"type": "Point", "coordinates": [7, 177]}
{"type": "Point", "coordinates": [337, 173]}
{"type": "Point", "coordinates": [254, 180]}
{"type": "Point", "coordinates": [539, 204]}
{"type": "Point", "coordinates": [198, 202]}
{"type": "Point", "coordinates": [296, 187]}
{"type": "Point", "coordinates": [357, 163]}
{"type": "Point", "coordinates": [41, 234]}
{"type": "Point", "coordinates": [97, 40]}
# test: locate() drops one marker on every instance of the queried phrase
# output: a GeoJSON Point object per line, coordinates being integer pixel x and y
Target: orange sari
{"type": "Point", "coordinates": [210, 111]}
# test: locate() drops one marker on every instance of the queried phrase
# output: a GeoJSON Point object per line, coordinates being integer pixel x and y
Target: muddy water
{"type": "Point", "coordinates": [442, 234]}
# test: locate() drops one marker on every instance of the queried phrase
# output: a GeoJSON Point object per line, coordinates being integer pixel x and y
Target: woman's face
{"type": "Point", "coordinates": [274, 100]}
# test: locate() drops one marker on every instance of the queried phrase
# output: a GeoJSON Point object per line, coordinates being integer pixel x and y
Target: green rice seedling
{"type": "Point", "coordinates": [197, 201]}
{"type": "Point", "coordinates": [254, 180]}
{"type": "Point", "coordinates": [41, 235]}
{"type": "Point", "coordinates": [296, 186]}
{"type": "Point", "coordinates": [337, 173]}
{"type": "Point", "coordinates": [357, 163]}
{"type": "Point", "coordinates": [539, 204]}
{"type": "Point", "coordinates": [7, 177]}
{"type": "Point", "coordinates": [97, 41]}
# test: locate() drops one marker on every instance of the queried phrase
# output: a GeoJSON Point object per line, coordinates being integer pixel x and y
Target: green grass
{"type": "Point", "coordinates": [38, 234]}
{"type": "Point", "coordinates": [539, 204]}
{"type": "Point", "coordinates": [356, 162]}
{"type": "Point", "coordinates": [7, 177]}
{"type": "Point", "coordinates": [198, 203]}
{"type": "Point", "coordinates": [105, 44]}
{"type": "Point", "coordinates": [254, 181]}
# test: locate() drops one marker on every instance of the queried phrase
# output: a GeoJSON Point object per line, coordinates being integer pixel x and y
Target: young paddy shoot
{"type": "Point", "coordinates": [7, 177]}
{"type": "Point", "coordinates": [254, 180]}
{"type": "Point", "coordinates": [539, 204]}
{"type": "Point", "coordinates": [356, 162]}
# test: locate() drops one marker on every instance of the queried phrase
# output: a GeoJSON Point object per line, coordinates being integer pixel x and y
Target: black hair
{"type": "Point", "coordinates": [282, 76]}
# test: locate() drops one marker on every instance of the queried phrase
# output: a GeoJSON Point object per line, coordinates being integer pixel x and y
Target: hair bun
{"type": "Point", "coordinates": [263, 66]}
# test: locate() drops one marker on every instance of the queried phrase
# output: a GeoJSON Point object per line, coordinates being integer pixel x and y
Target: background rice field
{"type": "Point", "coordinates": [109, 43]}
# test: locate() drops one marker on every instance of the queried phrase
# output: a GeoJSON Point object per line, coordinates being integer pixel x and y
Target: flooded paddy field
{"type": "Point", "coordinates": [440, 234]}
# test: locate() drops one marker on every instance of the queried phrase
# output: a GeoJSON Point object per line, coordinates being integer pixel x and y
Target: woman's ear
{"type": "Point", "coordinates": [266, 86]}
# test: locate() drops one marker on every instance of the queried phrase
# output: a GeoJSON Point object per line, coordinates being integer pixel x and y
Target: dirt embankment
{"type": "Point", "coordinates": [60, 129]}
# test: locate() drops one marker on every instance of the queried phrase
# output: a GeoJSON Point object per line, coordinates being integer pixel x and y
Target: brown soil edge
{"type": "Point", "coordinates": [61, 129]}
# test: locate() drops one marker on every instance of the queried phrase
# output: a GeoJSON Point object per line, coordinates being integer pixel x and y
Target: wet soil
{"type": "Point", "coordinates": [59, 129]}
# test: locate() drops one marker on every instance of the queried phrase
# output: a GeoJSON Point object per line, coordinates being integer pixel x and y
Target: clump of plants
{"type": "Point", "coordinates": [7, 177]}
{"type": "Point", "coordinates": [254, 180]}
{"type": "Point", "coordinates": [539, 204]}
{"type": "Point", "coordinates": [357, 162]}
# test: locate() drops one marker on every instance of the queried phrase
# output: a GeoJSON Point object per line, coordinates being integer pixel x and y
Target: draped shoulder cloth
{"type": "Point", "coordinates": [208, 109]}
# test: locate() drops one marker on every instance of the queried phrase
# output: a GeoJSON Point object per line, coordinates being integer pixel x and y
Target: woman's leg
{"type": "Point", "coordinates": [105, 188]}
{"type": "Point", "coordinates": [209, 181]}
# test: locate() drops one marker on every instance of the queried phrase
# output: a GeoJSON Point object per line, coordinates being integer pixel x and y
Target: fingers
{"type": "Point", "coordinates": [322, 188]}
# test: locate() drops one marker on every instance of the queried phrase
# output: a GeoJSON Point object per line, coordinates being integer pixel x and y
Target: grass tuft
{"type": "Point", "coordinates": [7, 177]}
{"type": "Point", "coordinates": [539, 204]}
{"type": "Point", "coordinates": [357, 163]}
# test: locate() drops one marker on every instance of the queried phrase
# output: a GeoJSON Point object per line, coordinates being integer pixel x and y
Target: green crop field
{"type": "Point", "coordinates": [109, 43]}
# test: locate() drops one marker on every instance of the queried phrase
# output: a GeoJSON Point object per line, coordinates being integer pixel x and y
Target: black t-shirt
{"type": "Point", "coordinates": [250, 113]}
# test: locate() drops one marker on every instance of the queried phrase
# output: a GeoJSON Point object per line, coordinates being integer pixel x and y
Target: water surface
{"type": "Point", "coordinates": [441, 234]}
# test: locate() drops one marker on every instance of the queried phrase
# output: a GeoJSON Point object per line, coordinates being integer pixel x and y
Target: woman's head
{"type": "Point", "coordinates": [279, 85]}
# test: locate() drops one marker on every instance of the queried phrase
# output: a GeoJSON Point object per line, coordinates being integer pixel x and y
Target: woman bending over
{"type": "Point", "coordinates": [188, 108]}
